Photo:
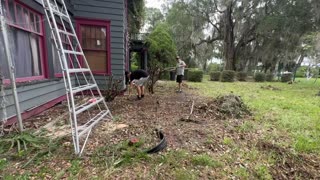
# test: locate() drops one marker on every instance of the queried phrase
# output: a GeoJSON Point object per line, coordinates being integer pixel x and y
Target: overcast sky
{"type": "Point", "coordinates": [154, 3]}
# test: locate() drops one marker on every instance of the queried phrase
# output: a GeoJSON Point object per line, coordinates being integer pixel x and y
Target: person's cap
{"type": "Point", "coordinates": [177, 57]}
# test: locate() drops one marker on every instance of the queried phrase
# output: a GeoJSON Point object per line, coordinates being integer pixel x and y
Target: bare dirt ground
{"type": "Point", "coordinates": [238, 152]}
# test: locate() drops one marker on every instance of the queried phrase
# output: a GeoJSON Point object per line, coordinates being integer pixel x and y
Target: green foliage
{"type": "Point", "coordinates": [242, 173]}
{"type": "Point", "coordinates": [260, 77]}
{"type": "Point", "coordinates": [182, 174]}
{"type": "Point", "coordinates": [301, 71]}
{"type": "Point", "coordinates": [165, 75]}
{"type": "Point", "coordinates": [306, 143]}
{"type": "Point", "coordinates": [75, 167]}
{"type": "Point", "coordinates": [21, 142]}
{"type": "Point", "coordinates": [121, 154]}
{"type": "Point", "coordinates": [242, 76]}
{"type": "Point", "coordinates": [136, 15]}
{"type": "Point", "coordinates": [3, 163]}
{"type": "Point", "coordinates": [212, 67]}
{"type": "Point", "coordinates": [270, 77]}
{"type": "Point", "coordinates": [153, 17]}
{"type": "Point", "coordinates": [162, 49]}
{"type": "Point", "coordinates": [262, 172]}
{"type": "Point", "coordinates": [162, 53]}
{"type": "Point", "coordinates": [228, 76]}
{"type": "Point", "coordinates": [180, 24]}
{"type": "Point", "coordinates": [204, 160]}
{"type": "Point", "coordinates": [25, 176]}
{"type": "Point", "coordinates": [215, 76]}
{"type": "Point", "coordinates": [134, 67]}
{"type": "Point", "coordinates": [26, 147]}
{"type": "Point", "coordinates": [286, 77]}
{"type": "Point", "coordinates": [195, 75]}
{"type": "Point", "coordinates": [135, 61]}
{"type": "Point", "coordinates": [227, 141]}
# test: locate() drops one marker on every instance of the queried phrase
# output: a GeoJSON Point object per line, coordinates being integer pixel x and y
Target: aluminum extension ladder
{"type": "Point", "coordinates": [78, 78]}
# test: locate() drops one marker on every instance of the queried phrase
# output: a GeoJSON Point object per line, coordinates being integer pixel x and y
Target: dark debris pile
{"type": "Point", "coordinates": [225, 106]}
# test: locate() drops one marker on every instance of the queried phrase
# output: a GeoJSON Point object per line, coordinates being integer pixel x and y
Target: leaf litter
{"type": "Point", "coordinates": [189, 122]}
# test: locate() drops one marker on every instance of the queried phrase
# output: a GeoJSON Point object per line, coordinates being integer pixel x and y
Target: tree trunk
{"type": "Point", "coordinates": [228, 40]}
{"type": "Point", "coordinates": [205, 66]}
{"type": "Point", "coordinates": [298, 64]}
{"type": "Point", "coordinates": [246, 67]}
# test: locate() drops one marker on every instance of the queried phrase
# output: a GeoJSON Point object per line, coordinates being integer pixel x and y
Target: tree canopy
{"type": "Point", "coordinates": [242, 33]}
{"type": "Point", "coordinates": [161, 45]}
{"type": "Point", "coordinates": [136, 15]}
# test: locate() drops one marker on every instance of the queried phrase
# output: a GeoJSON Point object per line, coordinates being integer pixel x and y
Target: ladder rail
{"type": "Point", "coordinates": [62, 68]}
{"type": "Point", "coordinates": [69, 83]}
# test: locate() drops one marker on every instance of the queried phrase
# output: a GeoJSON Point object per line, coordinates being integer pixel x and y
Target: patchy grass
{"type": "Point", "coordinates": [280, 140]}
{"type": "Point", "coordinates": [205, 160]}
{"type": "Point", "coordinates": [289, 108]}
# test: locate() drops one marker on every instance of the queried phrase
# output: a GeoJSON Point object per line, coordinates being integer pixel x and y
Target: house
{"type": "Point", "coordinates": [102, 30]}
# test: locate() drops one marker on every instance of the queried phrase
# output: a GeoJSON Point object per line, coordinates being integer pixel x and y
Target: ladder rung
{"type": "Point", "coordinates": [83, 88]}
{"type": "Point", "coordinates": [72, 52]}
{"type": "Point", "coordinates": [88, 105]}
{"type": "Point", "coordinates": [66, 33]}
{"type": "Point", "coordinates": [87, 126]}
{"type": "Point", "coordinates": [78, 70]}
{"type": "Point", "coordinates": [58, 13]}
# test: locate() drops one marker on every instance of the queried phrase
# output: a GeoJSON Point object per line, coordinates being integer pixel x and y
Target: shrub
{"type": "Point", "coordinates": [301, 71]}
{"type": "Point", "coordinates": [260, 77]}
{"type": "Point", "coordinates": [215, 76]}
{"type": "Point", "coordinates": [286, 77]}
{"type": "Point", "coordinates": [228, 76]}
{"type": "Point", "coordinates": [186, 74]}
{"type": "Point", "coordinates": [242, 76]}
{"type": "Point", "coordinates": [195, 75]}
{"type": "Point", "coordinates": [114, 88]}
{"type": "Point", "coordinates": [213, 67]}
{"type": "Point", "coordinates": [165, 75]}
{"type": "Point", "coordinates": [269, 77]}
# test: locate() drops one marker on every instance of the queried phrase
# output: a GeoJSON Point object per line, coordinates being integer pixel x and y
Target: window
{"type": "Point", "coordinates": [95, 41]}
{"type": "Point", "coordinates": [56, 62]}
{"type": "Point", "coordinates": [26, 42]}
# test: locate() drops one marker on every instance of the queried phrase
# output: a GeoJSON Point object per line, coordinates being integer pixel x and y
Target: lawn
{"type": "Point", "coordinates": [279, 140]}
{"type": "Point", "coordinates": [290, 108]}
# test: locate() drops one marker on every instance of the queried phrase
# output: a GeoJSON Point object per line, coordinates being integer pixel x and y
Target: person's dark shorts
{"type": "Point", "coordinates": [179, 78]}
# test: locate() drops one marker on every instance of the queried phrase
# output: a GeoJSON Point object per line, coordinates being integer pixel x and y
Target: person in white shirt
{"type": "Point", "coordinates": [180, 72]}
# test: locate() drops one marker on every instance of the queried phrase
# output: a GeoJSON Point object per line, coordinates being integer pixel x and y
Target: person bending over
{"type": "Point", "coordinates": [138, 80]}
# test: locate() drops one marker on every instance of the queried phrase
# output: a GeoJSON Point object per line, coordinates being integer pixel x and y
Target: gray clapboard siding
{"type": "Point", "coordinates": [100, 3]}
{"type": "Point", "coordinates": [112, 12]}
{"type": "Point", "coordinates": [67, 2]}
{"type": "Point", "coordinates": [31, 96]}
